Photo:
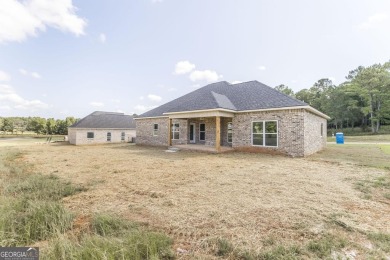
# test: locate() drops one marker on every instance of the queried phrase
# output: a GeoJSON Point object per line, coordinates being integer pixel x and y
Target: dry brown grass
{"type": "Point", "coordinates": [253, 200]}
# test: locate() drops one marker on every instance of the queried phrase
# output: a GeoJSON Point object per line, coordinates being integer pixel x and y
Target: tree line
{"type": "Point", "coordinates": [363, 100]}
{"type": "Point", "coordinates": [37, 125]}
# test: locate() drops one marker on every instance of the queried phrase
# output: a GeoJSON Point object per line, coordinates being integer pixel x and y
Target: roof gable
{"type": "Point", "coordinates": [250, 95]}
{"type": "Point", "coordinates": [106, 120]}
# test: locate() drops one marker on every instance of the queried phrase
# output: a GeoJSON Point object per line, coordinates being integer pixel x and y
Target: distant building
{"type": "Point", "coordinates": [248, 116]}
{"type": "Point", "coordinates": [102, 127]}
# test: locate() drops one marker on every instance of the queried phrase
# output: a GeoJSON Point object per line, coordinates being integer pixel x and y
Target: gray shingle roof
{"type": "Point", "coordinates": [107, 120]}
{"type": "Point", "coordinates": [249, 95]}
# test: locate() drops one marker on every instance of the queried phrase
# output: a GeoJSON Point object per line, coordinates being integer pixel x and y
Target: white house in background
{"type": "Point", "coordinates": [102, 127]}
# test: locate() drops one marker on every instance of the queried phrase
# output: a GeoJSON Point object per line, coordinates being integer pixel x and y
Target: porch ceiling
{"type": "Point", "coordinates": [196, 114]}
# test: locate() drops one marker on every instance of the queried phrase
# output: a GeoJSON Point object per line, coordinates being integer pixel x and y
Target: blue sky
{"type": "Point", "coordinates": [63, 58]}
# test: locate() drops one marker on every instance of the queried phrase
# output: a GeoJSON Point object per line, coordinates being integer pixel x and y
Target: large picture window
{"type": "Point", "coordinates": [175, 131]}
{"type": "Point", "coordinates": [265, 133]}
{"type": "Point", "coordinates": [230, 132]}
{"type": "Point", "coordinates": [202, 132]}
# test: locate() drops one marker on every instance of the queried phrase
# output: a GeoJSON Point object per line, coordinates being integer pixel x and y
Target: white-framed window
{"type": "Point", "coordinates": [90, 135]}
{"type": "Point", "coordinates": [108, 137]}
{"type": "Point", "coordinates": [202, 132]}
{"type": "Point", "coordinates": [230, 132]}
{"type": "Point", "coordinates": [265, 133]}
{"type": "Point", "coordinates": [322, 129]}
{"type": "Point", "coordinates": [123, 134]}
{"type": "Point", "coordinates": [175, 131]}
{"type": "Point", "coordinates": [155, 129]}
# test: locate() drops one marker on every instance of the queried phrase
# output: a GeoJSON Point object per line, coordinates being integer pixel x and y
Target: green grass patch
{"type": "Point", "coordinates": [111, 238]}
{"type": "Point", "coordinates": [41, 187]}
{"type": "Point", "coordinates": [282, 252]}
{"type": "Point", "coordinates": [324, 246]}
{"type": "Point", "coordinates": [381, 240]}
{"type": "Point", "coordinates": [23, 222]}
{"type": "Point", "coordinates": [107, 225]}
{"type": "Point", "coordinates": [385, 149]}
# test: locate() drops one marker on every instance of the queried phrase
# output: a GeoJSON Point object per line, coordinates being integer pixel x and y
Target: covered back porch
{"type": "Point", "coordinates": [208, 131]}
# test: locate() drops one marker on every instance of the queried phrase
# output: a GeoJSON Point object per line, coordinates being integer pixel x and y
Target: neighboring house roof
{"type": "Point", "coordinates": [251, 95]}
{"type": "Point", "coordinates": [106, 120]}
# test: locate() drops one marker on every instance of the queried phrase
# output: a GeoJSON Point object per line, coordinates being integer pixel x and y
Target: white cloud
{"type": "Point", "coordinates": [22, 19]}
{"type": "Point", "coordinates": [10, 98]}
{"type": "Point", "coordinates": [154, 98]}
{"type": "Point", "coordinates": [183, 67]}
{"type": "Point", "coordinates": [207, 75]}
{"type": "Point", "coordinates": [262, 68]}
{"type": "Point", "coordinates": [4, 76]}
{"type": "Point", "coordinates": [374, 21]}
{"type": "Point", "coordinates": [96, 104]}
{"type": "Point", "coordinates": [34, 74]}
{"type": "Point", "coordinates": [102, 38]}
{"type": "Point", "coordinates": [236, 82]}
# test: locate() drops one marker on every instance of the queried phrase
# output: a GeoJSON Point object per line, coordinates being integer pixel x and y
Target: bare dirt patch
{"type": "Point", "coordinates": [246, 198]}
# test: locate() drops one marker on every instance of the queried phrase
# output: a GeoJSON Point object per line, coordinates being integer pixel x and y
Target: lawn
{"type": "Point", "coordinates": [363, 139]}
{"type": "Point", "coordinates": [236, 205]}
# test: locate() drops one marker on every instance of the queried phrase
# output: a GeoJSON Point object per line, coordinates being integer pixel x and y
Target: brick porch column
{"type": "Point", "coordinates": [169, 132]}
{"type": "Point", "coordinates": [218, 133]}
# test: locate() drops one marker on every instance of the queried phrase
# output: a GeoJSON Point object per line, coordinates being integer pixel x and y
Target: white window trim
{"type": "Point", "coordinates": [123, 136]}
{"type": "Point", "coordinates": [155, 131]}
{"type": "Point", "coordinates": [177, 130]}
{"type": "Point", "coordinates": [202, 131]}
{"type": "Point", "coordinates": [227, 135]}
{"type": "Point", "coordinates": [110, 136]}
{"type": "Point", "coordinates": [264, 133]}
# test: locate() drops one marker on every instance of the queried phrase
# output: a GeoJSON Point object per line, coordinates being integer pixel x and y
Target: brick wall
{"type": "Point", "coordinates": [314, 142]}
{"type": "Point", "coordinates": [78, 136]}
{"type": "Point", "coordinates": [290, 131]}
{"type": "Point", "coordinates": [145, 128]}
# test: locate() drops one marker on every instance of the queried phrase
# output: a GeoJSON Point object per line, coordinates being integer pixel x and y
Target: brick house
{"type": "Point", "coordinates": [246, 116]}
{"type": "Point", "coordinates": [102, 127]}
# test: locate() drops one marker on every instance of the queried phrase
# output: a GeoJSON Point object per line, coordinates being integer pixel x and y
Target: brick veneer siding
{"type": "Point", "coordinates": [145, 128]}
{"type": "Point", "coordinates": [290, 130]}
{"type": "Point", "coordinates": [314, 142]}
{"type": "Point", "coordinates": [78, 136]}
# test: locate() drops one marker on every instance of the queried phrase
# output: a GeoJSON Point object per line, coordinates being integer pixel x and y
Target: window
{"type": "Point", "coordinates": [123, 136]}
{"type": "Point", "coordinates": [322, 129]}
{"type": "Point", "coordinates": [90, 135]}
{"type": "Point", "coordinates": [229, 132]}
{"type": "Point", "coordinates": [265, 133]}
{"type": "Point", "coordinates": [155, 129]}
{"type": "Point", "coordinates": [175, 131]}
{"type": "Point", "coordinates": [108, 137]}
{"type": "Point", "coordinates": [202, 132]}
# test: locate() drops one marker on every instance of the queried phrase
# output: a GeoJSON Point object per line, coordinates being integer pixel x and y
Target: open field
{"type": "Point", "coordinates": [334, 203]}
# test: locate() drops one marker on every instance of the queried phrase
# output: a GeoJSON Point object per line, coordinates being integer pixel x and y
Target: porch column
{"type": "Point", "coordinates": [218, 133]}
{"type": "Point", "coordinates": [169, 132]}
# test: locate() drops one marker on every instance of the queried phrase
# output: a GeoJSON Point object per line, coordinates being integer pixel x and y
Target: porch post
{"type": "Point", "coordinates": [169, 132]}
{"type": "Point", "coordinates": [218, 133]}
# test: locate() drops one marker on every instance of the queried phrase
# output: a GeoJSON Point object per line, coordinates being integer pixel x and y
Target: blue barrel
{"type": "Point", "coordinates": [339, 138]}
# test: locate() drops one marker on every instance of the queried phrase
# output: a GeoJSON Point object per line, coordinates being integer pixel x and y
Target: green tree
{"type": "Point", "coordinates": [8, 125]}
{"type": "Point", "coordinates": [50, 126]}
{"type": "Point", "coordinates": [285, 89]}
{"type": "Point", "coordinates": [372, 84]}
{"type": "Point", "coordinates": [37, 125]}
